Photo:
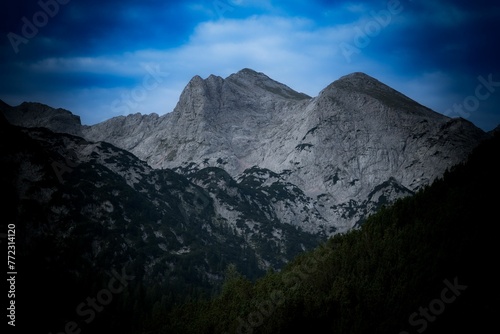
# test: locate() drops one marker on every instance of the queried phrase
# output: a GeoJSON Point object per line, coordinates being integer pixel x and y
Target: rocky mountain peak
{"type": "Point", "coordinates": [198, 95]}
{"type": "Point", "coordinates": [359, 82]}
{"type": "Point", "coordinates": [198, 81]}
{"type": "Point", "coordinates": [360, 89]}
{"type": "Point", "coordinates": [249, 74]}
{"type": "Point", "coordinates": [34, 114]}
{"type": "Point", "coordinates": [358, 78]}
{"type": "Point", "coordinates": [249, 79]}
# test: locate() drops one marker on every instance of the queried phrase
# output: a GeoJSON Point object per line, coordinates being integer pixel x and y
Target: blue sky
{"type": "Point", "coordinates": [101, 59]}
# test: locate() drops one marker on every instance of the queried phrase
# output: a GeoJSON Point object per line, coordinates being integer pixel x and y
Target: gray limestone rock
{"type": "Point", "coordinates": [338, 147]}
{"type": "Point", "coordinates": [357, 145]}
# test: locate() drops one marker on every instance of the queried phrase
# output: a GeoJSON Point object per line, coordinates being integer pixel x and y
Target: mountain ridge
{"type": "Point", "coordinates": [338, 147]}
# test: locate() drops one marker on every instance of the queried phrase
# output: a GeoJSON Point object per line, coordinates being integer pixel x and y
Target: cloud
{"type": "Point", "coordinates": [287, 49]}
{"type": "Point", "coordinates": [356, 8]}
{"type": "Point", "coordinates": [95, 53]}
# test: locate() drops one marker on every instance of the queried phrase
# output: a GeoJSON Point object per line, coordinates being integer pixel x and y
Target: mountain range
{"type": "Point", "coordinates": [244, 173]}
{"type": "Point", "coordinates": [356, 146]}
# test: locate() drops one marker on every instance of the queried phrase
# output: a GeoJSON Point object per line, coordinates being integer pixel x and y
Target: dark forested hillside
{"type": "Point", "coordinates": [425, 264]}
{"type": "Point", "coordinates": [105, 243]}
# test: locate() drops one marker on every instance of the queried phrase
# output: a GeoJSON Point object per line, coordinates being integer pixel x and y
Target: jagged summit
{"type": "Point", "coordinates": [246, 82]}
{"type": "Point", "coordinates": [249, 72]}
{"type": "Point", "coordinates": [250, 79]}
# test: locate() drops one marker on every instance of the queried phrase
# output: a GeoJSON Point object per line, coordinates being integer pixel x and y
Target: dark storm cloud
{"type": "Point", "coordinates": [447, 37]}
{"type": "Point", "coordinates": [87, 27]}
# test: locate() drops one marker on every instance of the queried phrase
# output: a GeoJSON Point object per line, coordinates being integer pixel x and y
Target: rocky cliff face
{"type": "Point", "coordinates": [359, 144]}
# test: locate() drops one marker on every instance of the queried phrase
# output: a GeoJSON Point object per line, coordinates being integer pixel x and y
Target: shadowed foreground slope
{"type": "Point", "coordinates": [425, 264]}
